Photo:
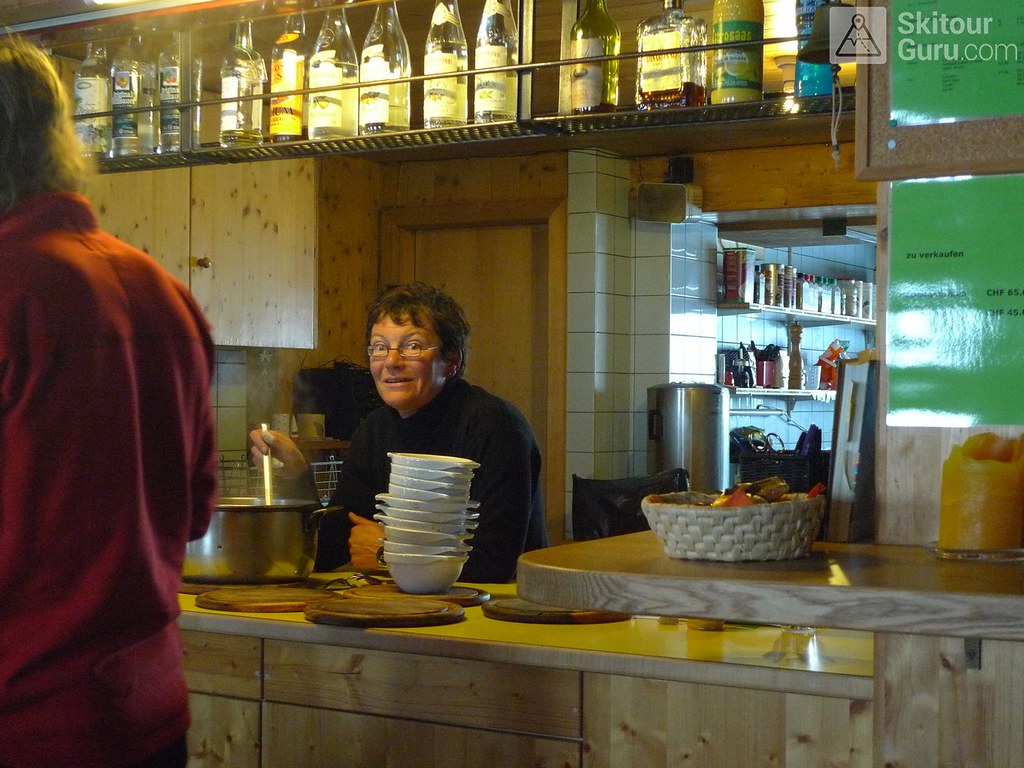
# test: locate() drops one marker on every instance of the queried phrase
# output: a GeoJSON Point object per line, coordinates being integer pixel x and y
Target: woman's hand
{"type": "Point", "coordinates": [364, 542]}
{"type": "Point", "coordinates": [280, 447]}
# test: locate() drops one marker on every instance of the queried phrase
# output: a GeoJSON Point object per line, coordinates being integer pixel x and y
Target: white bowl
{"type": "Point", "coordinates": [455, 487]}
{"type": "Point", "coordinates": [422, 473]}
{"type": "Point", "coordinates": [396, 548]}
{"type": "Point", "coordinates": [429, 576]}
{"type": "Point", "coordinates": [432, 461]}
{"type": "Point", "coordinates": [403, 492]}
{"type": "Point", "coordinates": [423, 505]}
{"type": "Point", "coordinates": [401, 535]}
{"type": "Point", "coordinates": [398, 513]}
{"type": "Point", "coordinates": [457, 528]}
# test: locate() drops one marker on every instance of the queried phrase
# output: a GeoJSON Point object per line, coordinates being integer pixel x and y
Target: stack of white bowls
{"type": "Point", "coordinates": [427, 518]}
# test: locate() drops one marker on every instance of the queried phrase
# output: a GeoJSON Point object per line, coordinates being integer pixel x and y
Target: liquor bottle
{"type": "Point", "coordinates": [385, 56]}
{"type": "Point", "coordinates": [670, 79]}
{"type": "Point", "coordinates": [92, 94]}
{"type": "Point", "coordinates": [334, 62]}
{"type": "Point", "coordinates": [594, 86]}
{"type": "Point", "coordinates": [133, 87]}
{"type": "Point", "coordinates": [810, 79]}
{"type": "Point", "coordinates": [287, 73]}
{"type": "Point", "coordinates": [242, 75]}
{"type": "Point", "coordinates": [197, 97]}
{"type": "Point", "coordinates": [495, 95]}
{"type": "Point", "coordinates": [445, 52]}
{"type": "Point", "coordinates": [169, 67]}
{"type": "Point", "coordinates": [738, 72]}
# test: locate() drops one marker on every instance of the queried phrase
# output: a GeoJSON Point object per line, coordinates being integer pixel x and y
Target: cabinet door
{"type": "Point", "coordinates": [224, 731]}
{"type": "Point", "coordinates": [630, 721]}
{"type": "Point", "coordinates": [307, 737]}
{"type": "Point", "coordinates": [253, 240]}
{"type": "Point", "coordinates": [148, 209]}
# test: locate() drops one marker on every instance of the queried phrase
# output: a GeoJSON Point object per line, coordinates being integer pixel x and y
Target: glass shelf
{"type": "Point", "coordinates": [807, 319]}
{"type": "Point", "coordinates": [825, 395]}
{"type": "Point", "coordinates": [523, 137]}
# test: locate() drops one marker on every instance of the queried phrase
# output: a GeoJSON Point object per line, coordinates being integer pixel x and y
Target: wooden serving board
{"type": "Point", "coordinates": [383, 612]}
{"type": "Point", "coordinates": [515, 609]}
{"type": "Point", "coordinates": [268, 599]}
{"type": "Point", "coordinates": [198, 587]}
{"type": "Point", "coordinates": [459, 595]}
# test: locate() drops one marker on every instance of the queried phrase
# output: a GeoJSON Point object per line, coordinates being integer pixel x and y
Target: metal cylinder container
{"type": "Point", "coordinates": [688, 427]}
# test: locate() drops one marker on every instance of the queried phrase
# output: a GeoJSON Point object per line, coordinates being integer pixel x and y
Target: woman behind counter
{"type": "Point", "coordinates": [417, 337]}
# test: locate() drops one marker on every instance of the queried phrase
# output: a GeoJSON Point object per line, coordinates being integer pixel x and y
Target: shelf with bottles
{"type": "Point", "coordinates": [535, 123]}
{"type": "Point", "coordinates": [791, 315]}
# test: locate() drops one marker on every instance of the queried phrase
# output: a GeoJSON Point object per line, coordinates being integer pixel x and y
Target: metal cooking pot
{"type": "Point", "coordinates": [252, 542]}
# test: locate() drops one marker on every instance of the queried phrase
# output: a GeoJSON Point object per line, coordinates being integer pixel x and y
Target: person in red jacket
{"type": "Point", "coordinates": [107, 456]}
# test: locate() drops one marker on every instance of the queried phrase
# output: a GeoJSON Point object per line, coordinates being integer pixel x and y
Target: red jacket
{"type": "Point", "coordinates": [107, 468]}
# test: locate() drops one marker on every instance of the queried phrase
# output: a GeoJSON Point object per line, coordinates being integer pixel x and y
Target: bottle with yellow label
{"type": "Point", "coordinates": [737, 72]}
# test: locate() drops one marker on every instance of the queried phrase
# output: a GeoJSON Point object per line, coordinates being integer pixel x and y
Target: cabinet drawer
{"type": "Point", "coordinates": [224, 664]}
{"type": "Point", "coordinates": [479, 694]}
{"type": "Point", "coordinates": [305, 737]}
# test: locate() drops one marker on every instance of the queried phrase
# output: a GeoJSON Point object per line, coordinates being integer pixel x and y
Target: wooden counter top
{"type": "Point", "coordinates": [836, 662]}
{"type": "Point", "coordinates": [869, 587]}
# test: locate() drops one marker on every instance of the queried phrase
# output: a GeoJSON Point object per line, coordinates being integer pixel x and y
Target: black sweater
{"type": "Point", "coordinates": [463, 420]}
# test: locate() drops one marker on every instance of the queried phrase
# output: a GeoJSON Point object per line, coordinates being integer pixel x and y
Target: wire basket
{"type": "Point", "coordinates": [689, 528]}
{"type": "Point", "coordinates": [325, 475]}
{"type": "Point", "coordinates": [238, 477]}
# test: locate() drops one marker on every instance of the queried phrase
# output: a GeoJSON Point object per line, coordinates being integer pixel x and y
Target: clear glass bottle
{"type": "Point", "coordinates": [495, 95]}
{"type": "Point", "coordinates": [810, 79]}
{"type": "Point", "coordinates": [738, 72]}
{"type": "Point", "coordinates": [287, 73]}
{"type": "Point", "coordinates": [197, 96]}
{"type": "Point", "coordinates": [594, 86]}
{"type": "Point", "coordinates": [92, 94]}
{"type": "Point", "coordinates": [385, 56]}
{"type": "Point", "coordinates": [242, 75]}
{"type": "Point", "coordinates": [445, 52]}
{"type": "Point", "coordinates": [670, 79]}
{"type": "Point", "coordinates": [133, 87]}
{"type": "Point", "coordinates": [334, 62]}
{"type": "Point", "coordinates": [169, 67]}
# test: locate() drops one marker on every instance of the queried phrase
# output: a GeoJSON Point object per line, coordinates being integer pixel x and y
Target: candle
{"type": "Point", "coordinates": [982, 505]}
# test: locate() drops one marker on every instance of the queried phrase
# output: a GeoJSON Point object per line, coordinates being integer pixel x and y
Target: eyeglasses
{"type": "Point", "coordinates": [410, 350]}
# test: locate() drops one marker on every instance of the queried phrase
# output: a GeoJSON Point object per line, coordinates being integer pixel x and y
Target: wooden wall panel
{"type": "Point", "coordinates": [798, 176]}
{"type": "Point", "coordinates": [229, 665]}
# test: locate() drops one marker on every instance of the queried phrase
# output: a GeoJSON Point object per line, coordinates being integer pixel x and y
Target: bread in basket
{"type": "Point", "coordinates": [689, 528]}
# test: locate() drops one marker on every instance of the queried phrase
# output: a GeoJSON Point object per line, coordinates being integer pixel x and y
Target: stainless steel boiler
{"type": "Point", "coordinates": [688, 427]}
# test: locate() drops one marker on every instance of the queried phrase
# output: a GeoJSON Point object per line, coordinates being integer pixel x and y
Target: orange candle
{"type": "Point", "coordinates": [982, 504]}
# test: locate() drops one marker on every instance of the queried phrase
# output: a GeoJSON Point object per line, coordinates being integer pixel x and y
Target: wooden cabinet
{"type": "Point", "coordinates": [242, 237]}
{"type": "Point", "coordinates": [631, 721]}
{"type": "Point", "coordinates": [224, 674]}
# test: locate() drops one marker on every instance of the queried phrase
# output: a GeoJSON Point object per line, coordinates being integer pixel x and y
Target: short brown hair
{"type": "Point", "coordinates": [425, 306]}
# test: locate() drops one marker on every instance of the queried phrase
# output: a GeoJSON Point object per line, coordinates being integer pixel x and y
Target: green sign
{"type": "Point", "coordinates": [955, 60]}
{"type": "Point", "coordinates": [955, 320]}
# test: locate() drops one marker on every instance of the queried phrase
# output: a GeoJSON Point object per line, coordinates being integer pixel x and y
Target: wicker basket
{"type": "Point", "coordinates": [690, 529]}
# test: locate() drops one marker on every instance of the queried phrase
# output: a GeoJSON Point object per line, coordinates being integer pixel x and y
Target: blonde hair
{"type": "Point", "coordinates": [38, 147]}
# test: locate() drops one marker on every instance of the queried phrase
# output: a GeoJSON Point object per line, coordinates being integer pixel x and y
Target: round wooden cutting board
{"type": "Point", "coordinates": [262, 599]}
{"type": "Point", "coordinates": [383, 612]}
{"type": "Point", "coordinates": [458, 595]}
{"type": "Point", "coordinates": [515, 609]}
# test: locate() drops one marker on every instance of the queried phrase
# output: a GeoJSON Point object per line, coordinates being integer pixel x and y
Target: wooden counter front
{"type": "Point", "coordinates": [852, 586]}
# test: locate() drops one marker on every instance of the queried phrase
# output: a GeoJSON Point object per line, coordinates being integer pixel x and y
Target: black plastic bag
{"type": "Point", "coordinates": [603, 508]}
